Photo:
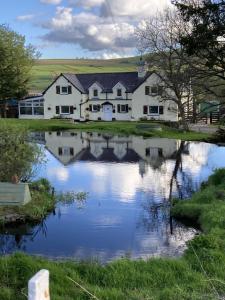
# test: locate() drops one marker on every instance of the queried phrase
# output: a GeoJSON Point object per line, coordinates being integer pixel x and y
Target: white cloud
{"type": "Point", "coordinates": [133, 8]}
{"type": "Point", "coordinates": [25, 17]}
{"type": "Point", "coordinates": [101, 26]}
{"type": "Point", "coordinates": [55, 2]}
{"type": "Point", "coordinates": [86, 4]}
{"type": "Point", "coordinates": [63, 17]}
{"type": "Point", "coordinates": [111, 55]}
{"type": "Point", "coordinates": [90, 31]}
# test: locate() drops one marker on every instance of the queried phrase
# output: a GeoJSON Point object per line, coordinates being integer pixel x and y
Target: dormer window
{"type": "Point", "coordinates": [95, 93]}
{"type": "Point", "coordinates": [119, 92]}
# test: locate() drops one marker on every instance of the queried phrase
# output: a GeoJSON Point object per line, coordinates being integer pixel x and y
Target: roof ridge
{"type": "Point", "coordinates": [127, 72]}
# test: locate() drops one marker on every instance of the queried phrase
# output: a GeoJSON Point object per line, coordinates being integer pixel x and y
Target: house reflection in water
{"type": "Point", "coordinates": [69, 147]}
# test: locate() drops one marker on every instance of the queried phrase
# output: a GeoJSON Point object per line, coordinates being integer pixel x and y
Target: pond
{"type": "Point", "coordinates": [129, 181]}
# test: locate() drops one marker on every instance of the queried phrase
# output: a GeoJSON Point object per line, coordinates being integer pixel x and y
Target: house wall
{"type": "Point", "coordinates": [135, 102]}
{"type": "Point", "coordinates": [52, 99]}
{"type": "Point", "coordinates": [139, 99]}
{"type": "Point", "coordinates": [96, 115]}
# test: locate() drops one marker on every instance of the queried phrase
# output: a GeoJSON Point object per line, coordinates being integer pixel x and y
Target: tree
{"type": "Point", "coordinates": [160, 38]}
{"type": "Point", "coordinates": [16, 60]}
{"type": "Point", "coordinates": [17, 156]}
{"type": "Point", "coordinates": [206, 39]}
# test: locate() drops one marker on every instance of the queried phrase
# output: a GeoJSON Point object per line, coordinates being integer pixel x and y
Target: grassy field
{"type": "Point", "coordinates": [146, 129]}
{"type": "Point", "coordinates": [198, 275]}
{"type": "Point", "coordinates": [45, 71]}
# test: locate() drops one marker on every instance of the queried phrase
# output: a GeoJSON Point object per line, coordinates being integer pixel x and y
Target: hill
{"type": "Point", "coordinates": [45, 70]}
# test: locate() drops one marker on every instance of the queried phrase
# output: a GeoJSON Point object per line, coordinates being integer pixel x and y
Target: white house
{"type": "Point", "coordinates": [103, 96]}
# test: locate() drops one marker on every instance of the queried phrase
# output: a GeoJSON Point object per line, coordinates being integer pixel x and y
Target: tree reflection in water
{"type": "Point", "coordinates": [156, 217]}
{"type": "Point", "coordinates": [15, 238]}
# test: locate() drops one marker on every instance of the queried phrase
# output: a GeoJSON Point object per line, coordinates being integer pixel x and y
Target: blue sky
{"type": "Point", "coordinates": [80, 28]}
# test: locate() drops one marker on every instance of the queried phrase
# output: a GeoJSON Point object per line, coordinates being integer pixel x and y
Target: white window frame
{"type": "Point", "coordinates": [154, 87]}
{"type": "Point", "coordinates": [32, 103]}
{"type": "Point", "coordinates": [117, 91]}
{"type": "Point", "coordinates": [95, 89]}
{"type": "Point", "coordinates": [153, 114]}
{"type": "Point", "coordinates": [64, 93]}
{"type": "Point", "coordinates": [95, 110]}
{"type": "Point", "coordinates": [121, 110]}
{"type": "Point", "coordinates": [61, 113]}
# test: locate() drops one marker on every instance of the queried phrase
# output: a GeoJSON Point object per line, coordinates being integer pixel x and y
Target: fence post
{"type": "Point", "coordinates": [38, 286]}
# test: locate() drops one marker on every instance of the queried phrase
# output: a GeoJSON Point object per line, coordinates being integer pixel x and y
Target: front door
{"type": "Point", "coordinates": [107, 112]}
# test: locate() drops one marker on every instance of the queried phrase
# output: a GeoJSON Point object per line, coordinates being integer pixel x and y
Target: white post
{"type": "Point", "coordinates": [38, 286]}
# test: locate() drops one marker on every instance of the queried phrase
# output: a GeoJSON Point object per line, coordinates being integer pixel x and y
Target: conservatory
{"type": "Point", "coordinates": [31, 108]}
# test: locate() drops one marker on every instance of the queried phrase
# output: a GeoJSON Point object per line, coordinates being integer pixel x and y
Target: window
{"type": "Point", "coordinates": [38, 111]}
{"type": "Point", "coordinates": [96, 108]}
{"type": "Point", "coordinates": [122, 108]}
{"type": "Point", "coordinates": [153, 152]}
{"type": "Point", "coordinates": [64, 90]}
{"type": "Point", "coordinates": [153, 110]}
{"type": "Point", "coordinates": [65, 109]}
{"type": "Point", "coordinates": [145, 109]}
{"type": "Point", "coordinates": [155, 90]}
{"type": "Point", "coordinates": [119, 92]}
{"type": "Point", "coordinates": [65, 151]}
{"type": "Point", "coordinates": [26, 110]}
{"type": "Point", "coordinates": [32, 107]}
{"type": "Point", "coordinates": [95, 93]}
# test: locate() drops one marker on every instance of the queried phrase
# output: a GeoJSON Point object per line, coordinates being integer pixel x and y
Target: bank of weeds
{"type": "Point", "coordinates": [42, 203]}
{"type": "Point", "coordinates": [199, 274]}
{"type": "Point", "coordinates": [145, 128]}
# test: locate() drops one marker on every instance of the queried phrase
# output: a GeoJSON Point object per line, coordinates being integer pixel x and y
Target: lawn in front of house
{"type": "Point", "coordinates": [146, 129]}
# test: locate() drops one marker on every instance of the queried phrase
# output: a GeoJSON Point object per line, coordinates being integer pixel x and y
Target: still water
{"type": "Point", "coordinates": [129, 181]}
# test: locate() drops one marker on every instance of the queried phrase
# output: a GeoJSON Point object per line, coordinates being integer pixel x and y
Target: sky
{"type": "Point", "coordinates": [80, 28]}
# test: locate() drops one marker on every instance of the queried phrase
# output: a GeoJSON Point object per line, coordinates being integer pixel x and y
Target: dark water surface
{"type": "Point", "coordinates": [129, 181]}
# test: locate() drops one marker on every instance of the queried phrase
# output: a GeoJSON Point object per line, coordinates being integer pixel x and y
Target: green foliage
{"type": "Point", "coordinates": [79, 198]}
{"type": "Point", "coordinates": [207, 29]}
{"type": "Point", "coordinates": [42, 203]}
{"type": "Point", "coordinates": [17, 157]}
{"type": "Point", "coordinates": [16, 62]}
{"type": "Point", "coordinates": [41, 185]}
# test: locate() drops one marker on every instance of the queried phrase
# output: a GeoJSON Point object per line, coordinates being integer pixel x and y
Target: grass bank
{"type": "Point", "coordinates": [41, 204]}
{"type": "Point", "coordinates": [198, 275]}
{"type": "Point", "coordinates": [146, 129]}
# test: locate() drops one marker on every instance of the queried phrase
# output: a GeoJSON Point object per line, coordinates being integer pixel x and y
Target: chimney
{"type": "Point", "coordinates": [142, 68]}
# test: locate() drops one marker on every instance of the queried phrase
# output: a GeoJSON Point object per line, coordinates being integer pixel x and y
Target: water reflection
{"type": "Point", "coordinates": [129, 181]}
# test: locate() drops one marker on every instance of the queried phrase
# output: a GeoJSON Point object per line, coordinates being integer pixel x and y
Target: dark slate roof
{"type": "Point", "coordinates": [107, 81]}
{"type": "Point", "coordinates": [108, 155]}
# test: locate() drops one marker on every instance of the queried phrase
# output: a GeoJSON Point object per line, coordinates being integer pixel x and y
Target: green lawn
{"type": "Point", "coordinates": [146, 129]}
{"type": "Point", "coordinates": [198, 275]}
{"type": "Point", "coordinates": [45, 71]}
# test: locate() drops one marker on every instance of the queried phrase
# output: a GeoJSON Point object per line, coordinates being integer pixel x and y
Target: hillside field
{"type": "Point", "coordinates": [45, 70]}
